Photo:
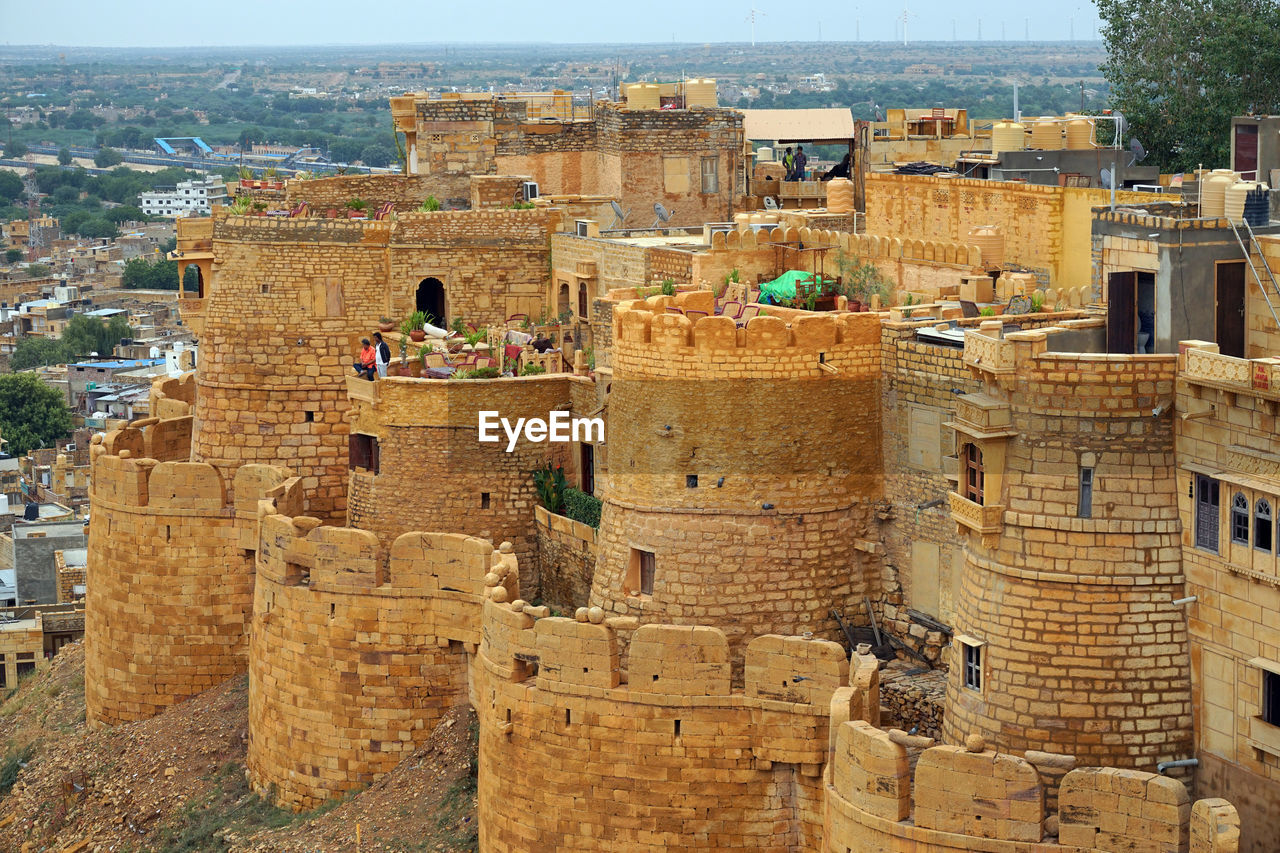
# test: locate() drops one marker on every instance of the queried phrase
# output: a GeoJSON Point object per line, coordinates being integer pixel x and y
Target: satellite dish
{"type": "Point", "coordinates": [1107, 181]}
{"type": "Point", "coordinates": [1135, 148]}
{"type": "Point", "coordinates": [663, 215]}
{"type": "Point", "coordinates": [770, 203]}
{"type": "Point", "coordinates": [619, 216]}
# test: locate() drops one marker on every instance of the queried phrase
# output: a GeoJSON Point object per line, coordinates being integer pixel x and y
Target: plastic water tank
{"type": "Point", "coordinates": [1079, 134]}
{"type": "Point", "coordinates": [1008, 136]}
{"type": "Point", "coordinates": [990, 242]}
{"type": "Point", "coordinates": [839, 195]}
{"type": "Point", "coordinates": [1046, 134]}
{"type": "Point", "coordinates": [764, 154]}
{"type": "Point", "coordinates": [1213, 192]}
{"type": "Point", "coordinates": [643, 96]}
{"type": "Point", "coordinates": [700, 92]}
{"type": "Point", "coordinates": [1235, 198]}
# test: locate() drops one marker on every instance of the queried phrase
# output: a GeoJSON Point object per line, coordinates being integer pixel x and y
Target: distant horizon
{"type": "Point", "coordinates": [747, 45]}
{"type": "Point", "coordinates": [147, 24]}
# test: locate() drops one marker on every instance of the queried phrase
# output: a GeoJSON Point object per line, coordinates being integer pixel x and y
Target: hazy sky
{"type": "Point", "coordinates": [130, 23]}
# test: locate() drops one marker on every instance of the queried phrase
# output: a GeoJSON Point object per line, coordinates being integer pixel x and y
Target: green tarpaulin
{"type": "Point", "coordinates": [783, 288]}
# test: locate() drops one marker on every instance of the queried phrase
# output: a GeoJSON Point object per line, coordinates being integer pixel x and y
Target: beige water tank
{"type": "Point", "coordinates": [700, 92]}
{"type": "Point", "coordinates": [1079, 134]}
{"type": "Point", "coordinates": [643, 96]}
{"type": "Point", "coordinates": [1234, 200]}
{"type": "Point", "coordinates": [1213, 191]}
{"type": "Point", "coordinates": [990, 241]}
{"type": "Point", "coordinates": [839, 195]}
{"type": "Point", "coordinates": [764, 154]}
{"type": "Point", "coordinates": [1008, 136]}
{"type": "Point", "coordinates": [1046, 134]}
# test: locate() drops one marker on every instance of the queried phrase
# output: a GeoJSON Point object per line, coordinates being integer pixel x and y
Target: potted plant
{"type": "Point", "coordinates": [429, 205]}
{"type": "Point", "coordinates": [356, 208]}
{"type": "Point", "coordinates": [386, 324]}
{"type": "Point", "coordinates": [241, 206]}
{"type": "Point", "coordinates": [405, 328]}
{"type": "Point", "coordinates": [416, 321]}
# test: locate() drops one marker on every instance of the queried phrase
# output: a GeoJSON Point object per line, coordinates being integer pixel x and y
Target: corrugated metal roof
{"type": "Point", "coordinates": [817, 125]}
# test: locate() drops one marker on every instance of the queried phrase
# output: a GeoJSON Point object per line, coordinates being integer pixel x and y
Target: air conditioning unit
{"type": "Point", "coordinates": [71, 448]}
{"type": "Point", "coordinates": [529, 190]}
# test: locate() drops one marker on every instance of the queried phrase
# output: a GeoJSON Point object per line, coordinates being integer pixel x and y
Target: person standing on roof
{"type": "Point", "coordinates": [801, 162]}
{"type": "Point", "coordinates": [788, 164]}
{"type": "Point", "coordinates": [383, 354]}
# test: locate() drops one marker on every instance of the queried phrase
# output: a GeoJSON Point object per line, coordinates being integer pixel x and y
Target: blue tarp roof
{"type": "Point", "coordinates": [163, 142]}
{"type": "Point", "coordinates": [123, 364]}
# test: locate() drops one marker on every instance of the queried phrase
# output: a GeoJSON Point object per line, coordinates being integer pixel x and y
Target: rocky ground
{"type": "Point", "coordinates": [177, 782]}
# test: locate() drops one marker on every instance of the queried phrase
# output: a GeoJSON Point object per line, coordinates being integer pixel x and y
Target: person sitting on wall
{"type": "Point", "coordinates": [366, 366]}
{"type": "Point", "coordinates": [840, 170]}
{"type": "Point", "coordinates": [383, 353]}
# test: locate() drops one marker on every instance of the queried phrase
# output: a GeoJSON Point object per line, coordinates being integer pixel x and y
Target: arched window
{"type": "Point", "coordinates": [972, 476]}
{"type": "Point", "coordinates": [1239, 520]}
{"type": "Point", "coordinates": [1262, 525]}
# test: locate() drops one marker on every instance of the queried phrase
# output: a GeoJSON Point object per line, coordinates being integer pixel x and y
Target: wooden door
{"type": "Point", "coordinates": [1246, 151]}
{"type": "Point", "coordinates": [1229, 327]}
{"type": "Point", "coordinates": [1122, 314]}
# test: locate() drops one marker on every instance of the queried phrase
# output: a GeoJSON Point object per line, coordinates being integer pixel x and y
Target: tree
{"type": "Point", "coordinates": [10, 186]}
{"type": "Point", "coordinates": [12, 256]}
{"type": "Point", "coordinates": [34, 352]}
{"type": "Point", "coordinates": [1180, 69]}
{"type": "Point", "coordinates": [377, 154]}
{"type": "Point", "coordinates": [15, 149]}
{"type": "Point", "coordinates": [64, 157]}
{"type": "Point", "coordinates": [107, 157]}
{"type": "Point", "coordinates": [86, 335]}
{"type": "Point", "coordinates": [37, 270]}
{"type": "Point", "coordinates": [31, 413]}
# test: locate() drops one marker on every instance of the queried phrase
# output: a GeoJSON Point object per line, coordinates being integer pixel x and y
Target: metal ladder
{"type": "Point", "coordinates": [1249, 259]}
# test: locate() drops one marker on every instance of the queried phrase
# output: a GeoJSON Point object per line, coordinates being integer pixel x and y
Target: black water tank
{"type": "Point", "coordinates": [1257, 207]}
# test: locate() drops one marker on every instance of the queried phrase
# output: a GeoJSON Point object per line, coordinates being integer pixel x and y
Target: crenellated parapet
{"type": "Point", "coordinates": [702, 763]}
{"type": "Point", "coordinates": [173, 396]}
{"type": "Point", "coordinates": [170, 557]}
{"type": "Point", "coordinates": [651, 343]}
{"type": "Point", "coordinates": [973, 798]}
{"type": "Point", "coordinates": [357, 650]}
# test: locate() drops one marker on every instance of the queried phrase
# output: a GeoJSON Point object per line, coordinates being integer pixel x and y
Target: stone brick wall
{"type": "Point", "coordinates": [356, 650]}
{"type": "Point", "coordinates": [433, 466]}
{"type": "Point", "coordinates": [553, 687]}
{"type": "Point", "coordinates": [406, 192]}
{"type": "Point", "coordinates": [1083, 653]}
{"type": "Point", "coordinates": [170, 566]}
{"type": "Point", "coordinates": [1044, 228]}
{"type": "Point", "coordinates": [972, 798]}
{"type": "Point", "coordinates": [566, 560]}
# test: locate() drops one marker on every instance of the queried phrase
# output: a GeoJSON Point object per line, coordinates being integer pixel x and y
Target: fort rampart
{"type": "Point", "coordinates": [171, 551]}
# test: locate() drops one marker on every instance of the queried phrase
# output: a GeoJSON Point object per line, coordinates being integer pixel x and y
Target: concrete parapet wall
{"type": "Point", "coordinates": [356, 651]}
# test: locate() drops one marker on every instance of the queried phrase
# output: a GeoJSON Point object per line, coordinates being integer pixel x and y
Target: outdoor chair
{"type": "Point", "coordinates": [695, 315]}
{"type": "Point", "coordinates": [969, 309]}
{"type": "Point", "coordinates": [732, 308]}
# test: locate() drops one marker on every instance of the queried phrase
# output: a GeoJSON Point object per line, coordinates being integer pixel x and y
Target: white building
{"type": "Point", "coordinates": [188, 198]}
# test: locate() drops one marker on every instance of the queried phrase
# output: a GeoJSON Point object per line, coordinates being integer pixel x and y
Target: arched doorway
{"type": "Point", "coordinates": [562, 303]}
{"type": "Point", "coordinates": [192, 281]}
{"type": "Point", "coordinates": [430, 299]}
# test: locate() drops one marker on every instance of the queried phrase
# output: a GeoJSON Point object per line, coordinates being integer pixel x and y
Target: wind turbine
{"type": "Point", "coordinates": [752, 20]}
{"type": "Point", "coordinates": [906, 13]}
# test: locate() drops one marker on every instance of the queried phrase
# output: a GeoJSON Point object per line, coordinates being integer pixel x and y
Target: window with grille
{"type": "Point", "coordinates": [1240, 519]}
{"type": "Point", "coordinates": [972, 665]}
{"type": "Point", "coordinates": [1207, 513]}
{"type": "Point", "coordinates": [1262, 525]}
{"type": "Point", "coordinates": [973, 480]}
{"type": "Point", "coordinates": [1085, 507]}
{"type": "Point", "coordinates": [711, 174]}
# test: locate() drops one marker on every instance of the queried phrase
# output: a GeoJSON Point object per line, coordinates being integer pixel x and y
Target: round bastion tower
{"type": "Point", "coordinates": [1066, 640]}
{"type": "Point", "coordinates": [742, 470]}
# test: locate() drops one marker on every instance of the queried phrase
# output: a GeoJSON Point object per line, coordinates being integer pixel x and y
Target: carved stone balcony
{"type": "Point", "coordinates": [986, 521]}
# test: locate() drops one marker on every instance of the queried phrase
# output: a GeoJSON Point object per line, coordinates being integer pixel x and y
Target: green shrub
{"type": "Point", "coordinates": [987, 312]}
{"type": "Point", "coordinates": [581, 506]}
{"type": "Point", "coordinates": [478, 373]}
{"type": "Point", "coordinates": [429, 205]}
{"type": "Point", "coordinates": [668, 287]}
{"type": "Point", "coordinates": [550, 485]}
{"type": "Point", "coordinates": [532, 370]}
